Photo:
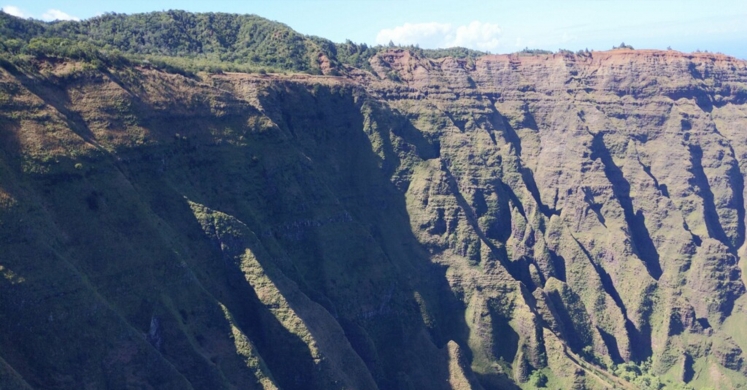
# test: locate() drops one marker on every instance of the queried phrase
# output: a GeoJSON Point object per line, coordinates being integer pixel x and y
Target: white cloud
{"type": "Point", "coordinates": [55, 14]}
{"type": "Point", "coordinates": [50, 15]}
{"type": "Point", "coordinates": [476, 35]}
{"type": "Point", "coordinates": [424, 34]}
{"type": "Point", "coordinates": [15, 11]}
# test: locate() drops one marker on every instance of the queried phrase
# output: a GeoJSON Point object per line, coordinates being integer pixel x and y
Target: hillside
{"type": "Point", "coordinates": [184, 42]}
{"type": "Point", "coordinates": [488, 222]}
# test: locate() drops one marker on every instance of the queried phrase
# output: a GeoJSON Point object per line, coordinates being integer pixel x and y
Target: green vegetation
{"type": "Point", "coordinates": [186, 43]}
{"type": "Point", "coordinates": [528, 51]}
{"type": "Point", "coordinates": [209, 41]}
{"type": "Point", "coordinates": [220, 38]}
{"type": "Point", "coordinates": [354, 54]}
{"type": "Point", "coordinates": [456, 52]}
{"type": "Point", "coordinates": [642, 377]}
{"type": "Point", "coordinates": [183, 42]}
{"type": "Point", "coordinates": [623, 46]}
{"type": "Point", "coordinates": [538, 379]}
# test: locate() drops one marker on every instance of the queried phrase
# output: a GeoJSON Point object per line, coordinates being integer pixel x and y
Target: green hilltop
{"type": "Point", "coordinates": [192, 42]}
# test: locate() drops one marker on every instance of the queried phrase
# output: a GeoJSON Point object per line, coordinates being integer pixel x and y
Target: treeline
{"type": "Point", "coordinates": [217, 40]}
{"type": "Point", "coordinates": [185, 42]}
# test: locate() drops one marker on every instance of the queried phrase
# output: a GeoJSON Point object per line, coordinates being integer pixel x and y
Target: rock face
{"type": "Point", "coordinates": [600, 197]}
{"type": "Point", "coordinates": [492, 223]}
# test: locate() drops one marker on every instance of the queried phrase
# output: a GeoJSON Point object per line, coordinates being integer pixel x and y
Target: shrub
{"type": "Point", "coordinates": [538, 379]}
{"type": "Point", "coordinates": [623, 46]}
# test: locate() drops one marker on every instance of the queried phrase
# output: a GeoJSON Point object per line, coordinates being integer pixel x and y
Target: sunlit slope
{"type": "Point", "coordinates": [481, 223]}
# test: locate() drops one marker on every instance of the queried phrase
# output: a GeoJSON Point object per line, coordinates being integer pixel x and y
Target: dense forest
{"type": "Point", "coordinates": [184, 42]}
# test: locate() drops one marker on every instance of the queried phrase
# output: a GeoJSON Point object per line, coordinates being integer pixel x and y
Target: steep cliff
{"type": "Point", "coordinates": [435, 223]}
{"type": "Point", "coordinates": [598, 199]}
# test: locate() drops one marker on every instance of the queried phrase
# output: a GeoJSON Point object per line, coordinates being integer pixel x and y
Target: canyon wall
{"type": "Point", "coordinates": [430, 224]}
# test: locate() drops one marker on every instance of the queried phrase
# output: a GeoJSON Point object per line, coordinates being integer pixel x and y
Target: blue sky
{"type": "Point", "coordinates": [496, 26]}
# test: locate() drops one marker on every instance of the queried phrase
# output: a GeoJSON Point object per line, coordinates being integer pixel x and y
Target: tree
{"type": "Point", "coordinates": [623, 46]}
{"type": "Point", "coordinates": [538, 379]}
